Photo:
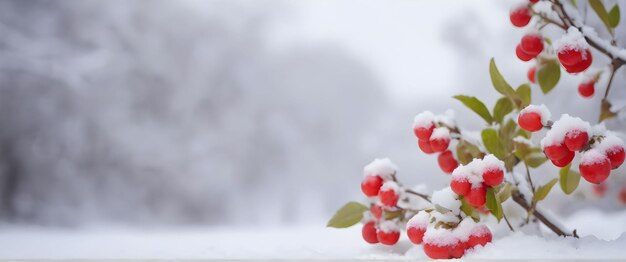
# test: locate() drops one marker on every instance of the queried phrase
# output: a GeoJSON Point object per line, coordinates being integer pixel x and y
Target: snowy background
{"type": "Point", "coordinates": [180, 128]}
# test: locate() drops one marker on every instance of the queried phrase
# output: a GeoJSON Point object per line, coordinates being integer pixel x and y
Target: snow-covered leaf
{"type": "Point", "coordinates": [568, 179]}
{"type": "Point", "coordinates": [542, 192]}
{"type": "Point", "coordinates": [548, 75]}
{"type": "Point", "coordinates": [348, 215]}
{"type": "Point", "coordinates": [476, 105]}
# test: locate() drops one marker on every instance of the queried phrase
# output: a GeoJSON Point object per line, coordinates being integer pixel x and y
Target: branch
{"type": "Point", "coordinates": [425, 197]}
{"type": "Point", "coordinates": [519, 199]}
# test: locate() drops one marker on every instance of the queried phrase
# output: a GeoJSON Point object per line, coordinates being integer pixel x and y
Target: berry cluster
{"type": "Point", "coordinates": [529, 47]}
{"type": "Point", "coordinates": [533, 118]}
{"type": "Point", "coordinates": [433, 134]}
{"type": "Point", "coordinates": [446, 243]}
{"type": "Point", "coordinates": [573, 51]}
{"type": "Point", "coordinates": [472, 180]}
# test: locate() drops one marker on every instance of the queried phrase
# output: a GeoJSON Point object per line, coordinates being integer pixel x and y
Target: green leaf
{"type": "Point", "coordinates": [614, 16]}
{"type": "Point", "coordinates": [498, 81]}
{"type": "Point", "coordinates": [524, 93]}
{"type": "Point", "coordinates": [493, 204]}
{"type": "Point", "coordinates": [392, 214]}
{"type": "Point", "coordinates": [502, 108]}
{"type": "Point", "coordinates": [535, 160]}
{"type": "Point", "coordinates": [505, 192]}
{"type": "Point", "coordinates": [476, 105]}
{"type": "Point", "coordinates": [548, 40]}
{"type": "Point", "coordinates": [348, 215]}
{"type": "Point", "coordinates": [441, 209]}
{"type": "Point", "coordinates": [542, 192]}
{"type": "Point", "coordinates": [600, 10]}
{"type": "Point", "coordinates": [548, 75]}
{"type": "Point", "coordinates": [568, 179]}
{"type": "Point", "coordinates": [467, 209]}
{"type": "Point", "coordinates": [492, 142]}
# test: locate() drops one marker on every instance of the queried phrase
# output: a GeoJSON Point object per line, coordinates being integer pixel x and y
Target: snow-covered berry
{"type": "Point", "coordinates": [423, 125]}
{"type": "Point", "coordinates": [480, 235]}
{"type": "Point", "coordinates": [440, 139]}
{"type": "Point", "coordinates": [565, 160]}
{"type": "Point", "coordinates": [371, 185]}
{"type": "Point", "coordinates": [533, 117]}
{"type": "Point", "coordinates": [493, 171]}
{"type": "Point", "coordinates": [573, 51]}
{"type": "Point", "coordinates": [389, 194]}
{"type": "Point", "coordinates": [388, 233]}
{"type": "Point", "coordinates": [476, 196]}
{"type": "Point", "coordinates": [576, 139]}
{"type": "Point", "coordinates": [416, 227]}
{"type": "Point", "coordinates": [556, 152]}
{"type": "Point", "coordinates": [520, 16]}
{"type": "Point", "coordinates": [376, 210]}
{"type": "Point", "coordinates": [613, 148]}
{"type": "Point", "coordinates": [595, 166]}
{"type": "Point", "coordinates": [369, 232]}
{"type": "Point", "coordinates": [460, 186]}
{"type": "Point", "coordinates": [586, 88]}
{"type": "Point", "coordinates": [446, 162]}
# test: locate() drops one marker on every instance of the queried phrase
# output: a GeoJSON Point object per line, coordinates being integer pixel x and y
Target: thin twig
{"type": "Point", "coordinates": [425, 197]}
{"type": "Point", "coordinates": [528, 177]}
{"type": "Point", "coordinates": [507, 222]}
{"type": "Point", "coordinates": [519, 199]}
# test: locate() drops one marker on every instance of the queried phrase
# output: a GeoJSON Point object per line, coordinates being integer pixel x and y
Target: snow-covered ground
{"type": "Point", "coordinates": [297, 242]}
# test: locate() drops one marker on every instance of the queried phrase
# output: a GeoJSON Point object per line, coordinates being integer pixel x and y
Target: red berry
{"type": "Point", "coordinates": [564, 161]}
{"type": "Point", "coordinates": [532, 44]}
{"type": "Point", "coordinates": [521, 54]}
{"type": "Point", "coordinates": [369, 232]}
{"type": "Point", "coordinates": [520, 16]}
{"type": "Point", "coordinates": [477, 196]}
{"type": "Point", "coordinates": [622, 196]}
{"type": "Point", "coordinates": [556, 152]}
{"type": "Point", "coordinates": [416, 234]}
{"type": "Point", "coordinates": [479, 239]}
{"type": "Point", "coordinates": [425, 146]}
{"type": "Point", "coordinates": [439, 144]}
{"type": "Point", "coordinates": [599, 189]}
{"type": "Point", "coordinates": [388, 238]}
{"type": "Point", "coordinates": [570, 57]}
{"type": "Point", "coordinates": [582, 66]}
{"type": "Point", "coordinates": [423, 133]}
{"type": "Point", "coordinates": [493, 177]}
{"type": "Point", "coordinates": [616, 156]}
{"type": "Point", "coordinates": [371, 185]}
{"type": "Point", "coordinates": [457, 250]}
{"type": "Point", "coordinates": [376, 210]}
{"type": "Point", "coordinates": [436, 252]}
{"type": "Point", "coordinates": [531, 74]}
{"type": "Point", "coordinates": [595, 171]}
{"type": "Point", "coordinates": [388, 197]}
{"type": "Point", "coordinates": [530, 121]}
{"type": "Point", "coordinates": [534, 1]}
{"type": "Point", "coordinates": [576, 139]}
{"type": "Point", "coordinates": [447, 162]}
{"type": "Point", "coordinates": [460, 187]}
{"type": "Point", "coordinates": [586, 89]}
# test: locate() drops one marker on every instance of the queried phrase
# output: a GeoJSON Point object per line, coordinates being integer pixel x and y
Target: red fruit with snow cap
{"type": "Point", "coordinates": [576, 139]}
{"type": "Point", "coordinates": [481, 235]}
{"type": "Point", "coordinates": [493, 176]}
{"type": "Point", "coordinates": [460, 187]}
{"type": "Point", "coordinates": [376, 210]}
{"type": "Point", "coordinates": [532, 44]}
{"type": "Point", "coordinates": [530, 121]}
{"type": "Point", "coordinates": [446, 161]}
{"type": "Point", "coordinates": [457, 250]}
{"type": "Point", "coordinates": [436, 252]}
{"type": "Point", "coordinates": [369, 232]}
{"type": "Point", "coordinates": [415, 234]}
{"type": "Point", "coordinates": [423, 133]}
{"type": "Point", "coordinates": [371, 185]}
{"type": "Point", "coordinates": [594, 166]}
{"type": "Point", "coordinates": [520, 16]}
{"type": "Point", "coordinates": [586, 61]}
{"type": "Point", "coordinates": [388, 194]}
{"type": "Point", "coordinates": [476, 196]}
{"type": "Point", "coordinates": [388, 233]}
{"type": "Point", "coordinates": [439, 144]}
{"type": "Point", "coordinates": [570, 57]}
{"type": "Point", "coordinates": [564, 161]}
{"type": "Point", "coordinates": [616, 156]}
{"type": "Point", "coordinates": [519, 52]}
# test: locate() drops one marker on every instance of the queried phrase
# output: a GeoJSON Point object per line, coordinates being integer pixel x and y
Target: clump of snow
{"type": "Point", "coordinates": [461, 173]}
{"type": "Point", "coordinates": [440, 237]}
{"type": "Point", "coordinates": [599, 130]}
{"type": "Point", "coordinates": [388, 226]}
{"type": "Point", "coordinates": [572, 40]}
{"type": "Point", "coordinates": [441, 133]}
{"type": "Point", "coordinates": [592, 156]}
{"type": "Point", "coordinates": [491, 162]}
{"type": "Point", "coordinates": [447, 199]}
{"type": "Point", "coordinates": [523, 186]}
{"type": "Point", "coordinates": [542, 110]}
{"type": "Point", "coordinates": [559, 129]}
{"type": "Point", "coordinates": [610, 144]}
{"type": "Point", "coordinates": [419, 220]}
{"type": "Point", "coordinates": [465, 229]}
{"type": "Point", "coordinates": [545, 8]}
{"type": "Point", "coordinates": [447, 217]}
{"type": "Point", "coordinates": [473, 171]}
{"type": "Point", "coordinates": [474, 138]}
{"type": "Point", "coordinates": [390, 186]}
{"type": "Point", "coordinates": [380, 167]}
{"type": "Point", "coordinates": [424, 119]}
{"type": "Point", "coordinates": [447, 118]}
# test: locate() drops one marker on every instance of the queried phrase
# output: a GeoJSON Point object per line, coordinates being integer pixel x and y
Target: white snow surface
{"type": "Point", "coordinates": [300, 242]}
{"type": "Point", "coordinates": [610, 143]}
{"type": "Point", "coordinates": [441, 133]}
{"type": "Point", "coordinates": [446, 198]}
{"type": "Point", "coordinates": [424, 119]}
{"type": "Point", "coordinates": [593, 156]}
{"type": "Point", "coordinates": [572, 40]}
{"type": "Point", "coordinates": [382, 167]}
{"type": "Point", "coordinates": [419, 220]}
{"type": "Point", "coordinates": [390, 185]}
